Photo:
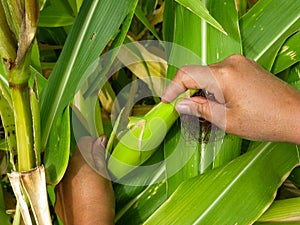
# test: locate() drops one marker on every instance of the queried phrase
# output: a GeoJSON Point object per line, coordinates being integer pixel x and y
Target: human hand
{"type": "Point", "coordinates": [85, 195]}
{"type": "Point", "coordinates": [249, 101]}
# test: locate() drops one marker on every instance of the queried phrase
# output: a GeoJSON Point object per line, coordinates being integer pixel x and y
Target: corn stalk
{"type": "Point", "coordinates": [18, 27]}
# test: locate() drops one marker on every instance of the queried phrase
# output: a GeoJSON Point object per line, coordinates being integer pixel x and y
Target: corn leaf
{"type": "Point", "coordinates": [2, 71]}
{"type": "Point", "coordinates": [212, 198]}
{"type": "Point", "coordinates": [7, 44]}
{"type": "Point", "coordinates": [282, 210]}
{"type": "Point", "coordinates": [4, 145]}
{"type": "Point", "coordinates": [139, 14]}
{"type": "Point", "coordinates": [278, 223]}
{"type": "Point", "coordinates": [199, 9]}
{"type": "Point", "coordinates": [111, 54]}
{"type": "Point", "coordinates": [7, 120]}
{"type": "Point", "coordinates": [264, 29]}
{"type": "Point", "coordinates": [57, 153]}
{"type": "Point", "coordinates": [292, 76]}
{"type": "Point", "coordinates": [56, 14]}
{"type": "Point", "coordinates": [229, 148]}
{"type": "Point", "coordinates": [168, 21]}
{"type": "Point", "coordinates": [145, 65]}
{"type": "Point", "coordinates": [134, 183]}
{"type": "Point", "coordinates": [75, 5]}
{"type": "Point", "coordinates": [216, 44]}
{"type": "Point", "coordinates": [181, 165]}
{"type": "Point", "coordinates": [4, 217]}
{"type": "Point", "coordinates": [288, 54]}
{"type": "Point", "coordinates": [182, 157]}
{"type": "Point", "coordinates": [140, 208]}
{"type": "Point", "coordinates": [87, 39]}
{"type": "Point", "coordinates": [136, 201]}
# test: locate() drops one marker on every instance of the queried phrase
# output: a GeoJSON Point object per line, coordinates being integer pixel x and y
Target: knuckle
{"type": "Point", "coordinates": [201, 111]}
{"type": "Point", "coordinates": [236, 57]}
{"type": "Point", "coordinates": [181, 72]}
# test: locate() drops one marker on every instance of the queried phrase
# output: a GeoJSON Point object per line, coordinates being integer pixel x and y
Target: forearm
{"type": "Point", "coordinates": [83, 196]}
{"type": "Point", "coordinates": [295, 124]}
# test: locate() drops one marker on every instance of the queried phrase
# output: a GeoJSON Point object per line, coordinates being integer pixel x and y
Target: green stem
{"type": "Point", "coordinates": [21, 104]}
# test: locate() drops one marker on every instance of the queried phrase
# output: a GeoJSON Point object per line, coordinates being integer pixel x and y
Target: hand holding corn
{"type": "Point", "coordinates": [249, 101]}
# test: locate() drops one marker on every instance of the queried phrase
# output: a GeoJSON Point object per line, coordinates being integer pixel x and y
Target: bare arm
{"type": "Point", "coordinates": [250, 102]}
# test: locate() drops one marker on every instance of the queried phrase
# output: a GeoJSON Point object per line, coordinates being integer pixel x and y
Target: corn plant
{"type": "Point", "coordinates": [224, 181]}
{"type": "Point", "coordinates": [32, 129]}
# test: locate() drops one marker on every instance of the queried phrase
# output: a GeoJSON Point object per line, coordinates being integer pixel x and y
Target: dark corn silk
{"type": "Point", "coordinates": [197, 128]}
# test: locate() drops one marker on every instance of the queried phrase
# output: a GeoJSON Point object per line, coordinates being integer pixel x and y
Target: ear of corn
{"type": "Point", "coordinates": [141, 141]}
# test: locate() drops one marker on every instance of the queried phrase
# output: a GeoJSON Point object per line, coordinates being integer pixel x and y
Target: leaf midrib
{"type": "Point", "coordinates": [68, 70]}
{"type": "Point", "coordinates": [230, 185]}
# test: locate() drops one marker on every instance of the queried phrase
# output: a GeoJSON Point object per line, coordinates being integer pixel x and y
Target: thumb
{"type": "Point", "coordinates": [201, 107]}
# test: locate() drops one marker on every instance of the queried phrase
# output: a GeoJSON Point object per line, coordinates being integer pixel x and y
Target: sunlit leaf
{"type": "Point", "coordinates": [57, 153]}
{"type": "Point", "coordinates": [288, 55]}
{"type": "Point", "coordinates": [215, 195]}
{"type": "Point", "coordinates": [264, 29]}
{"type": "Point", "coordinates": [139, 13]}
{"type": "Point", "coordinates": [56, 14]}
{"type": "Point", "coordinates": [90, 34]}
{"type": "Point", "coordinates": [199, 9]}
{"type": "Point", "coordinates": [282, 210]}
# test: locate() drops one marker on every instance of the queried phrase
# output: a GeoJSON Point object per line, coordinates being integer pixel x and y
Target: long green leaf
{"type": "Point", "coordinates": [139, 13]}
{"type": "Point", "coordinates": [75, 5]}
{"type": "Point", "coordinates": [199, 9]}
{"type": "Point", "coordinates": [114, 50]}
{"type": "Point", "coordinates": [292, 76]}
{"type": "Point", "coordinates": [265, 28]}
{"type": "Point", "coordinates": [56, 14]}
{"type": "Point", "coordinates": [139, 208]}
{"type": "Point", "coordinates": [89, 35]}
{"type": "Point", "coordinates": [58, 150]}
{"type": "Point", "coordinates": [148, 198]}
{"type": "Point", "coordinates": [282, 210]}
{"type": "Point", "coordinates": [288, 55]}
{"type": "Point", "coordinates": [7, 43]}
{"type": "Point", "coordinates": [168, 21]}
{"type": "Point", "coordinates": [7, 119]}
{"type": "Point", "coordinates": [218, 45]}
{"type": "Point", "coordinates": [237, 193]}
{"type": "Point", "coordinates": [181, 156]}
{"type": "Point", "coordinates": [278, 223]}
{"type": "Point", "coordinates": [4, 217]}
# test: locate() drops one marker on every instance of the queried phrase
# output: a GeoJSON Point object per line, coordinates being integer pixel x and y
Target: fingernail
{"type": "Point", "coordinates": [182, 108]}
